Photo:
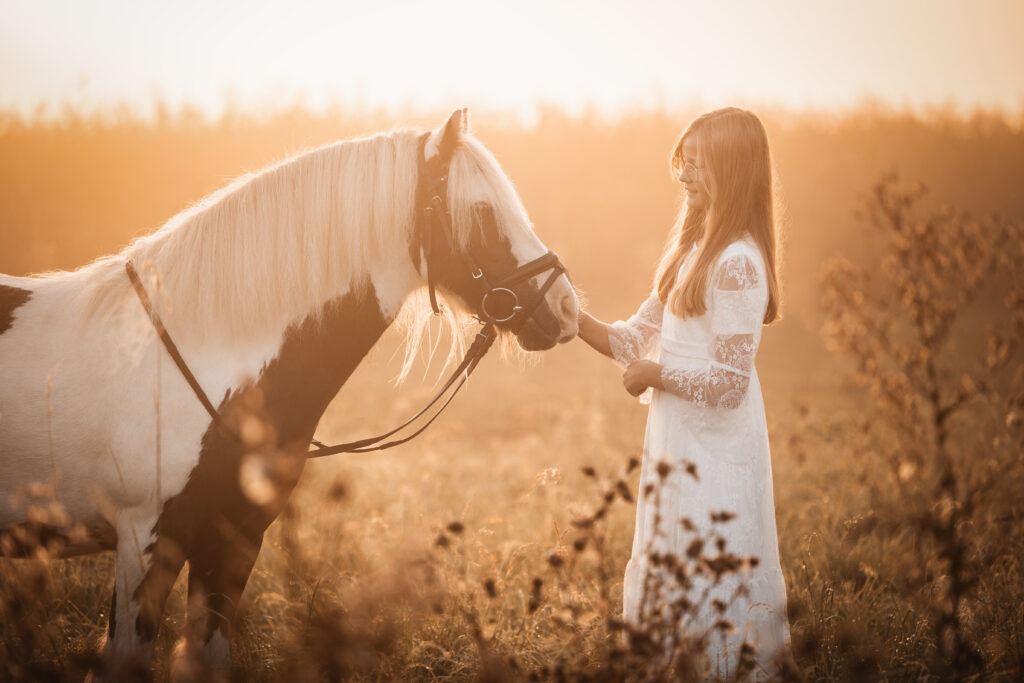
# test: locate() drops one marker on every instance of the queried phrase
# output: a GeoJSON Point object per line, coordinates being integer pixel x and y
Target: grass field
{"type": "Point", "coordinates": [422, 563]}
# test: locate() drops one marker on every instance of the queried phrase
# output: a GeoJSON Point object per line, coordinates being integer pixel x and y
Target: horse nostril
{"type": "Point", "coordinates": [569, 307]}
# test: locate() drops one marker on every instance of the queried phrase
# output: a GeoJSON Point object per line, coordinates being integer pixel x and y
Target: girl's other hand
{"type": "Point", "coordinates": [641, 374]}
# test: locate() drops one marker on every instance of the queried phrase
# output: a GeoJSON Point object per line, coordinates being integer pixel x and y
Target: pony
{"type": "Point", "coordinates": [274, 289]}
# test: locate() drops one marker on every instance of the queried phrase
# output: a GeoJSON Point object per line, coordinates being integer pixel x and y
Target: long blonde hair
{"type": "Point", "coordinates": [738, 177]}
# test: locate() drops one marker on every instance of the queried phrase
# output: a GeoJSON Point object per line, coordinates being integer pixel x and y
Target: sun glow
{"type": "Point", "coordinates": [608, 56]}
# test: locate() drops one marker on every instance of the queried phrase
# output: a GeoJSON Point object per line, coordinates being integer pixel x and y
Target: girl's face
{"type": "Point", "coordinates": [693, 175]}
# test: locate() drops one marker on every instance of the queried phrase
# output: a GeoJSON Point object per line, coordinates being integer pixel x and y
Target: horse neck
{"type": "Point", "coordinates": [317, 354]}
{"type": "Point", "coordinates": [304, 346]}
{"type": "Point", "coordinates": [315, 359]}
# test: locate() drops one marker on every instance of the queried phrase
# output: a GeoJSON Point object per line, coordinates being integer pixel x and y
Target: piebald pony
{"type": "Point", "coordinates": [274, 289]}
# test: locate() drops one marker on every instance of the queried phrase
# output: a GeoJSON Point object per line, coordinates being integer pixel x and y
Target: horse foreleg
{"type": "Point", "coordinates": [216, 580]}
{"type": "Point", "coordinates": [144, 577]}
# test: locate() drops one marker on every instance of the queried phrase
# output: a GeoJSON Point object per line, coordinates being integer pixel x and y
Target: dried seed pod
{"type": "Point", "coordinates": [722, 516]}
{"type": "Point", "coordinates": [535, 595]}
{"type": "Point", "coordinates": [691, 469]}
{"type": "Point", "coordinates": [555, 559]}
{"type": "Point", "coordinates": [337, 491]}
{"type": "Point", "coordinates": [583, 523]}
{"type": "Point", "coordinates": [623, 490]}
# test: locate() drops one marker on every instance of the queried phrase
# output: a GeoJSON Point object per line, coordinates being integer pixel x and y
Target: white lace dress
{"type": "Point", "coordinates": [706, 453]}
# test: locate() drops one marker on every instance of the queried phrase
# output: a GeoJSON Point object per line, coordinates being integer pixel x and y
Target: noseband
{"type": "Point", "coordinates": [498, 304]}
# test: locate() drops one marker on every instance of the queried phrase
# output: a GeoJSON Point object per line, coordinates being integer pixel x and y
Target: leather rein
{"type": "Point", "coordinates": [499, 303]}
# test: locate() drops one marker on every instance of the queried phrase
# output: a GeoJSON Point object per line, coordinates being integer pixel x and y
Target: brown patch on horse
{"type": "Point", "coordinates": [243, 479]}
{"type": "Point", "coordinates": [10, 299]}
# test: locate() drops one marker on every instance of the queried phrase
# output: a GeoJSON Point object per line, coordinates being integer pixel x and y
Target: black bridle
{"type": "Point", "coordinates": [499, 304]}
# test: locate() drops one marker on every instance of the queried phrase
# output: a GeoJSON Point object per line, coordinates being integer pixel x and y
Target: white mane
{"type": "Point", "coordinates": [271, 247]}
{"type": "Point", "coordinates": [475, 176]}
{"type": "Point", "coordinates": [274, 245]}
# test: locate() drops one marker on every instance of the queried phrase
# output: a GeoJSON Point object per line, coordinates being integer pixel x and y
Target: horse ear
{"type": "Point", "coordinates": [443, 140]}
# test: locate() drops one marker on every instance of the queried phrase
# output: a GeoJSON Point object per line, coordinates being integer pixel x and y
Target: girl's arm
{"type": "Point", "coordinates": [738, 299]}
{"type": "Point", "coordinates": [625, 340]}
{"type": "Point", "coordinates": [595, 333]}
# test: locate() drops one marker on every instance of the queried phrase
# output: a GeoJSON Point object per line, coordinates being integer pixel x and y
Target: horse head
{"type": "Point", "coordinates": [476, 242]}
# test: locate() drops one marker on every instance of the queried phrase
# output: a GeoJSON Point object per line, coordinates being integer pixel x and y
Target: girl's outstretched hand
{"type": "Point", "coordinates": [641, 374]}
{"type": "Point", "coordinates": [595, 333]}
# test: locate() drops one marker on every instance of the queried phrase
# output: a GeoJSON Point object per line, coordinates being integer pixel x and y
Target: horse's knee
{"type": "Point", "coordinates": [213, 595]}
{"type": "Point", "coordinates": [215, 586]}
{"type": "Point", "coordinates": [125, 639]}
{"type": "Point", "coordinates": [144, 578]}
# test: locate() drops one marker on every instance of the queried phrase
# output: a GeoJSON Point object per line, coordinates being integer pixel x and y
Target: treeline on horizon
{"type": "Point", "coordinates": [598, 188]}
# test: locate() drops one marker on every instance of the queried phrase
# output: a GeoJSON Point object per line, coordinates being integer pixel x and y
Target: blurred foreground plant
{"type": "Point", "coordinates": [935, 330]}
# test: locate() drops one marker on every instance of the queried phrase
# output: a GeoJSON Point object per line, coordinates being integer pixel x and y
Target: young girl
{"type": "Point", "coordinates": [706, 446]}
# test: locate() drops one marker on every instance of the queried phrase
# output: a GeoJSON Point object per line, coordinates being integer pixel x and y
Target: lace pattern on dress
{"type": "Point", "coordinates": [637, 337]}
{"type": "Point", "coordinates": [711, 387]}
{"type": "Point", "coordinates": [737, 310]}
{"type": "Point", "coordinates": [737, 300]}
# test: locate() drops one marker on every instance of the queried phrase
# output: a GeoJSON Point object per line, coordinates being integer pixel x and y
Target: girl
{"type": "Point", "coordinates": [706, 471]}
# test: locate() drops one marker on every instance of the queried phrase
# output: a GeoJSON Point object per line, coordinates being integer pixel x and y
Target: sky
{"type": "Point", "coordinates": [580, 55]}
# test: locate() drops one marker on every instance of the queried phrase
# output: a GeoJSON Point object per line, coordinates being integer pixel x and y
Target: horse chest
{"type": "Point", "coordinates": [245, 473]}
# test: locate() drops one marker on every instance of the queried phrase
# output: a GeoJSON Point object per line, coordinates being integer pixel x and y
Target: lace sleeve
{"type": "Point", "coordinates": [739, 296]}
{"type": "Point", "coordinates": [635, 338]}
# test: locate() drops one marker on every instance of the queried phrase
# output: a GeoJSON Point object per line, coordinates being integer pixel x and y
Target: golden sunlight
{"type": "Point", "coordinates": [750, 271]}
{"type": "Point", "coordinates": [576, 55]}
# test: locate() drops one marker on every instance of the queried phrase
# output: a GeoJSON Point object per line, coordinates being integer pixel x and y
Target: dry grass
{"type": "Point", "coordinates": [424, 563]}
